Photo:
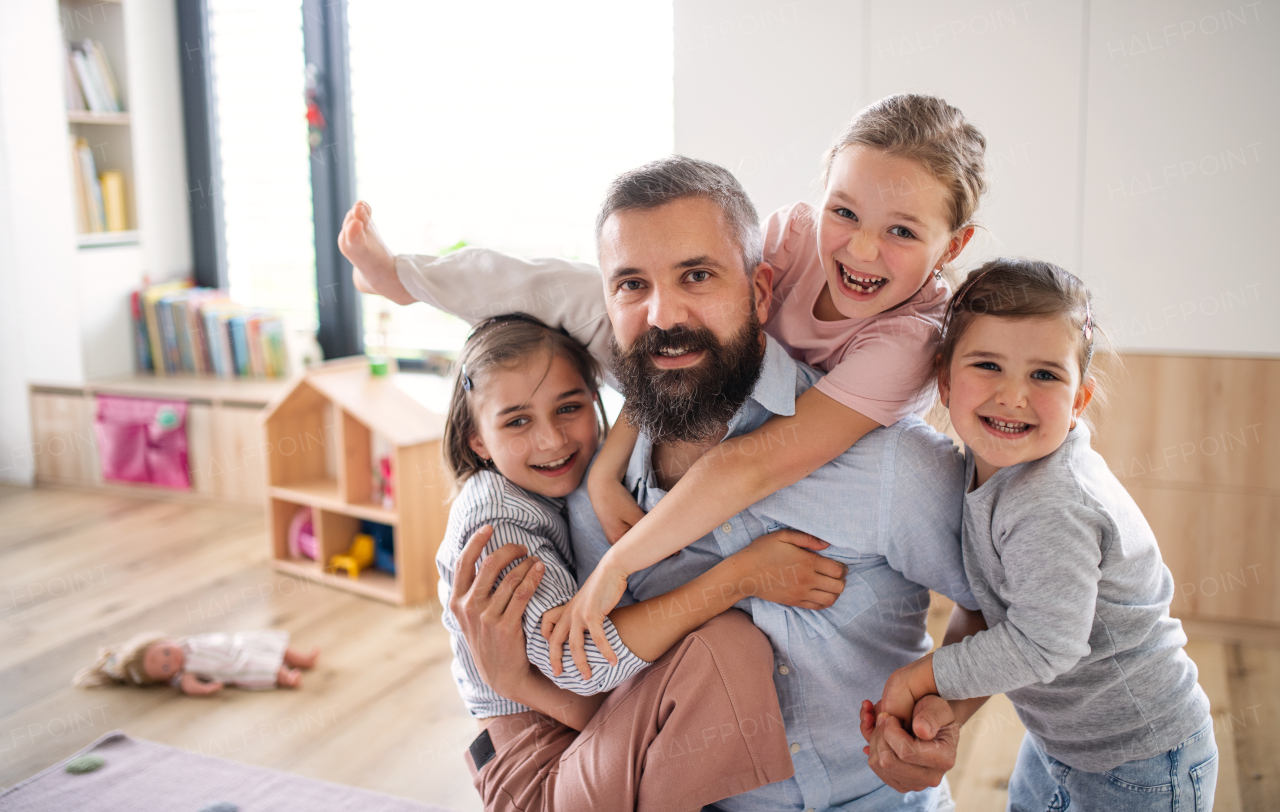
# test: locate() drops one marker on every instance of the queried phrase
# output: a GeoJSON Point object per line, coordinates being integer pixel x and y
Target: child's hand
{"type": "Point", "coordinates": [615, 507]}
{"type": "Point", "coordinates": [790, 573]}
{"type": "Point", "coordinates": [905, 687]}
{"type": "Point", "coordinates": [192, 686]}
{"type": "Point", "coordinates": [587, 613]}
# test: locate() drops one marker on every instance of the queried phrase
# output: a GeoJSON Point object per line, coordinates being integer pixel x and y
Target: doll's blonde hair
{"type": "Point", "coordinates": [123, 663]}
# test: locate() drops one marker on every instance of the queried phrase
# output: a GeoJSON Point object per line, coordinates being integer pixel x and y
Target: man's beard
{"type": "Point", "coordinates": [692, 404]}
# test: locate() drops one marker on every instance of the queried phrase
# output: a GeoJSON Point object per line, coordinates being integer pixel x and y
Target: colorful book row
{"type": "Point", "coordinates": [184, 329]}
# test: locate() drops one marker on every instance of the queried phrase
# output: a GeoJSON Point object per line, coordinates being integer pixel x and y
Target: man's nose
{"type": "Point", "coordinates": [667, 309]}
{"type": "Point", "coordinates": [863, 246]}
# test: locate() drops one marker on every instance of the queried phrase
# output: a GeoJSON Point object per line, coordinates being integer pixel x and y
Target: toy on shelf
{"type": "Point", "coordinates": [302, 535]}
{"type": "Point", "coordinates": [201, 664]}
{"type": "Point", "coordinates": [384, 550]}
{"type": "Point", "coordinates": [357, 557]}
{"type": "Point", "coordinates": [383, 488]}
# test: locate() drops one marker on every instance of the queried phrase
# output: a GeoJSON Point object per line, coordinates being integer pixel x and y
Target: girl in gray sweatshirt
{"type": "Point", "coordinates": [1063, 564]}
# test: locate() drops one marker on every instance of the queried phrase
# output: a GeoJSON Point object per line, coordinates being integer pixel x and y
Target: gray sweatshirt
{"type": "Point", "coordinates": [1069, 578]}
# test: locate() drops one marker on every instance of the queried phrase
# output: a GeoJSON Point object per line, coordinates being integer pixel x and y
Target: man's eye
{"type": "Point", "coordinates": [841, 211]}
{"type": "Point", "coordinates": [902, 231]}
{"type": "Point", "coordinates": [1044, 375]}
{"type": "Point", "coordinates": [630, 285]}
{"type": "Point", "coordinates": [699, 276]}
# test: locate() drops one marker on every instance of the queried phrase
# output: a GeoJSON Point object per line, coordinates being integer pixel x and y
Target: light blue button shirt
{"type": "Point", "coordinates": [890, 507]}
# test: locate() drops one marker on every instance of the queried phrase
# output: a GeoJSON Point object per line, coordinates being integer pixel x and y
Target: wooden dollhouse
{"type": "Point", "coordinates": [330, 439]}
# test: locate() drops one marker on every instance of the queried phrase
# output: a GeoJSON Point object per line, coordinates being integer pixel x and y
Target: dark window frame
{"type": "Point", "coordinates": [325, 50]}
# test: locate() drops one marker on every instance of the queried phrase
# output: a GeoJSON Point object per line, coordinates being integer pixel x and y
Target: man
{"type": "Point", "coordinates": [685, 292]}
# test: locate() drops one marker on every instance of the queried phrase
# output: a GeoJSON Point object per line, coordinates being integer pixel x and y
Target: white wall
{"type": "Point", "coordinates": [38, 302]}
{"type": "Point", "coordinates": [1090, 129]}
{"type": "Point", "coordinates": [64, 312]}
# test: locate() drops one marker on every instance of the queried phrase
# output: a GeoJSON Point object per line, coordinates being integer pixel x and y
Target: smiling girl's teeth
{"type": "Point", "coordinates": [861, 284]}
{"type": "Point", "coordinates": [1007, 428]}
{"type": "Point", "coordinates": [553, 465]}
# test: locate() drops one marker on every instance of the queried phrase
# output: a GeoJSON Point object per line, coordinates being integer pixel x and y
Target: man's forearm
{"type": "Point", "coordinates": [547, 698]}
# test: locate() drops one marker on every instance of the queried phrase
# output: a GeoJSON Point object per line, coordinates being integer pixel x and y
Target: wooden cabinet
{"type": "Point", "coordinates": [224, 434]}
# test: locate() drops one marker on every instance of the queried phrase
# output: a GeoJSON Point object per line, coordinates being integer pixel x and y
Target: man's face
{"type": "Point", "coordinates": [686, 316]}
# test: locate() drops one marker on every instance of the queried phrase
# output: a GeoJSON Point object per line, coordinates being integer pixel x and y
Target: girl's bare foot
{"type": "Point", "coordinates": [375, 266]}
{"type": "Point", "coordinates": [297, 659]}
{"type": "Point", "coordinates": [289, 677]}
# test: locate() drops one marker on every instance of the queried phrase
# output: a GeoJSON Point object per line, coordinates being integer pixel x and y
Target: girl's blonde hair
{"type": "Point", "coordinates": [123, 663]}
{"type": "Point", "coordinates": [1022, 288]}
{"type": "Point", "coordinates": [504, 342]}
{"type": "Point", "coordinates": [928, 130]}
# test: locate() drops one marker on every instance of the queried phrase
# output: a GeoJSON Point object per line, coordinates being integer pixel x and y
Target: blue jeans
{"type": "Point", "coordinates": [1181, 780]}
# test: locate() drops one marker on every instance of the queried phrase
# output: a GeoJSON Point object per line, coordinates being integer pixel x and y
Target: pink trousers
{"type": "Point", "coordinates": [700, 724]}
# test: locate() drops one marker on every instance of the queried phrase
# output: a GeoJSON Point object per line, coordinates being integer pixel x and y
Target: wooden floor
{"type": "Point", "coordinates": [79, 569]}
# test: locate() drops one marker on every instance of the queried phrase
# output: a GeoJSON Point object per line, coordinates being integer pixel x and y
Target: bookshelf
{"type": "Point", "coordinates": [107, 134]}
{"type": "Point", "coordinates": [321, 434]}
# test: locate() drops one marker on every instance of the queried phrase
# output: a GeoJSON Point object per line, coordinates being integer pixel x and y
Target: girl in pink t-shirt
{"type": "Point", "coordinates": [858, 293]}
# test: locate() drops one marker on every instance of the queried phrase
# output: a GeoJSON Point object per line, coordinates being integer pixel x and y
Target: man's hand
{"type": "Point", "coordinates": [789, 571]}
{"type": "Point", "coordinates": [492, 619]}
{"type": "Point", "coordinates": [903, 761]}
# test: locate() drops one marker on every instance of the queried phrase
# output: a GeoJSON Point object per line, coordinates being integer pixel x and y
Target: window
{"type": "Point", "coordinates": [499, 124]}
{"type": "Point", "coordinates": [259, 77]}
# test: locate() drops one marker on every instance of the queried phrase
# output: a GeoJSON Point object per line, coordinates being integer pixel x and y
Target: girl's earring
{"type": "Point", "coordinates": [937, 273]}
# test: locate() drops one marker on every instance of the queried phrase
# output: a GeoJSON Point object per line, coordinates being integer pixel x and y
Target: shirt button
{"type": "Point", "coordinates": [783, 670]}
{"type": "Point", "coordinates": [795, 747]}
{"type": "Point", "coordinates": [726, 528]}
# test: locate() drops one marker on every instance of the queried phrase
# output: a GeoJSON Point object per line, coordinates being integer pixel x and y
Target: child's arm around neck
{"type": "Point", "coordinates": [738, 473]}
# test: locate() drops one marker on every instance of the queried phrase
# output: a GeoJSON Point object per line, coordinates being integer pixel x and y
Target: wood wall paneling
{"type": "Point", "coordinates": [1196, 441]}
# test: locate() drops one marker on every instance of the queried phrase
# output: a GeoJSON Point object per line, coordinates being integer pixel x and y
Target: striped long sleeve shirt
{"type": "Point", "coordinates": [540, 524]}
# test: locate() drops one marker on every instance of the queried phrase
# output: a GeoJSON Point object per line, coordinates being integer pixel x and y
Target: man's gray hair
{"type": "Point", "coordinates": [660, 182]}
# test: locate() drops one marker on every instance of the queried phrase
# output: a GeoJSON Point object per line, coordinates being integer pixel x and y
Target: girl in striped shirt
{"type": "Point", "coordinates": [691, 715]}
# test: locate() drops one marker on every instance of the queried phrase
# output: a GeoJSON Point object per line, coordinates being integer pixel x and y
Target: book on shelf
{"type": "Point", "coordinates": [90, 83]}
{"type": "Point", "coordinates": [179, 328]}
{"type": "Point", "coordinates": [91, 209]}
{"type": "Point", "coordinates": [113, 210]}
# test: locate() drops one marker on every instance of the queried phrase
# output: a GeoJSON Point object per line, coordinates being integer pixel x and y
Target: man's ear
{"type": "Point", "coordinates": [762, 285]}
{"type": "Point", "coordinates": [478, 446]}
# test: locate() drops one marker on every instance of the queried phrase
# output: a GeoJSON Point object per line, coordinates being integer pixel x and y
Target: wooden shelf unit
{"type": "Point", "coordinates": [109, 134]}
{"type": "Point", "coordinates": [319, 436]}
{"type": "Point", "coordinates": [223, 432]}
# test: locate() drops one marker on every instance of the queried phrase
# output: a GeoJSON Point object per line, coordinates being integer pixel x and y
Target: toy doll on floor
{"type": "Point", "coordinates": [201, 664]}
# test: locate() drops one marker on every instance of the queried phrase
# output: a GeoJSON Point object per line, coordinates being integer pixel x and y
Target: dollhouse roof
{"type": "Point", "coordinates": [380, 403]}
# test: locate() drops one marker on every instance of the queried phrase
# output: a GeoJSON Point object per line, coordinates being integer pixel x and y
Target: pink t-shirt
{"type": "Point", "coordinates": [875, 366]}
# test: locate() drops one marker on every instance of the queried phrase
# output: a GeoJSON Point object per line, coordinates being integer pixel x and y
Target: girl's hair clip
{"type": "Point", "coordinates": [1087, 327]}
{"type": "Point", "coordinates": [466, 379]}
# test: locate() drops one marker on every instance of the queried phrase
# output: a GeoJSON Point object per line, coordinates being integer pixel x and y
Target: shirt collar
{"type": "Point", "coordinates": [775, 389]}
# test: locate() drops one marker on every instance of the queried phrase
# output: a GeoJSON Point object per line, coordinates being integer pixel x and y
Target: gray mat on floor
{"type": "Point", "coordinates": [142, 775]}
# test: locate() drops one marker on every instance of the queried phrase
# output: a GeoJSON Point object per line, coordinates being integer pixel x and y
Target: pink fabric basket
{"type": "Point", "coordinates": [143, 441]}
